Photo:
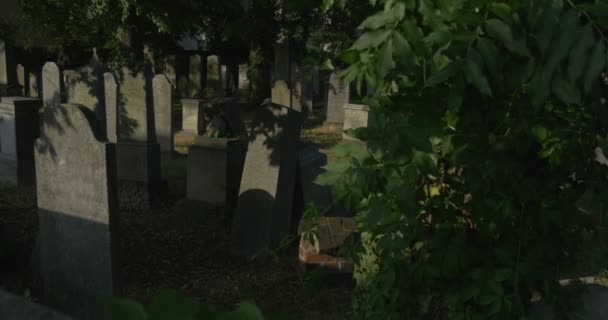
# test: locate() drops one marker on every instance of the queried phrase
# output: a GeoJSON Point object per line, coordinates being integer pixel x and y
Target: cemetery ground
{"type": "Point", "coordinates": [175, 246]}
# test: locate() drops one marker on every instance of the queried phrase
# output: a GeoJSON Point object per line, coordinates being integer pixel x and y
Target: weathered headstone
{"type": "Point", "coordinates": [263, 215]}
{"type": "Point", "coordinates": [81, 87]}
{"type": "Point", "coordinates": [282, 64]}
{"type": "Point", "coordinates": [215, 86]}
{"type": "Point", "coordinates": [355, 116]}
{"type": "Point", "coordinates": [18, 130]}
{"type": "Point", "coordinates": [337, 97]}
{"type": "Point", "coordinates": [244, 85]}
{"type": "Point", "coordinates": [21, 75]}
{"type": "Point", "coordinates": [111, 107]}
{"type": "Point", "coordinates": [283, 95]}
{"type": "Point", "coordinates": [33, 85]}
{"type": "Point", "coordinates": [214, 170]}
{"type": "Point", "coordinates": [225, 80]}
{"type": "Point", "coordinates": [306, 98]}
{"type": "Point", "coordinates": [51, 85]}
{"type": "Point", "coordinates": [192, 116]}
{"type": "Point", "coordinates": [138, 153]}
{"type": "Point", "coordinates": [195, 77]}
{"type": "Point", "coordinates": [76, 192]}
{"type": "Point", "coordinates": [84, 86]}
{"type": "Point", "coordinates": [7, 67]}
{"type": "Point", "coordinates": [316, 80]}
{"type": "Point", "coordinates": [163, 112]}
{"type": "Point", "coordinates": [170, 69]}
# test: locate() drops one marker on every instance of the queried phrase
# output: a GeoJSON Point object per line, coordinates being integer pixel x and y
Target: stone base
{"type": "Point", "coordinates": [139, 175]}
{"type": "Point", "coordinates": [13, 307]}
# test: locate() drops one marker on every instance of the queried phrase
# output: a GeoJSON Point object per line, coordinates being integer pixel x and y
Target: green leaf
{"type": "Point", "coordinates": [327, 65]}
{"type": "Point", "coordinates": [403, 50]}
{"type": "Point", "coordinates": [327, 4]}
{"type": "Point", "coordinates": [248, 311]}
{"type": "Point", "coordinates": [547, 27]}
{"type": "Point", "coordinates": [444, 74]}
{"type": "Point", "coordinates": [385, 62]}
{"type": "Point", "coordinates": [501, 10]}
{"type": "Point", "coordinates": [499, 30]}
{"type": "Point", "coordinates": [491, 59]}
{"type": "Point", "coordinates": [597, 61]}
{"type": "Point", "coordinates": [564, 90]}
{"type": "Point", "coordinates": [568, 32]}
{"type": "Point", "coordinates": [168, 305]}
{"type": "Point", "coordinates": [376, 21]}
{"type": "Point", "coordinates": [371, 39]}
{"type": "Point", "coordinates": [578, 55]}
{"type": "Point", "coordinates": [475, 75]}
{"type": "Point", "coordinates": [124, 309]}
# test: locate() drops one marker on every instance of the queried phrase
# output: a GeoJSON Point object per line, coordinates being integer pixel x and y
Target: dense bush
{"type": "Point", "coordinates": [484, 169]}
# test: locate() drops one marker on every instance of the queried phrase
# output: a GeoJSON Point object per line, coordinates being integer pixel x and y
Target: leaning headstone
{"type": "Point", "coordinates": [337, 97]}
{"type": "Point", "coordinates": [111, 107]}
{"type": "Point", "coordinates": [51, 85]}
{"type": "Point", "coordinates": [282, 94]}
{"type": "Point", "coordinates": [21, 79]}
{"type": "Point", "coordinates": [76, 192]}
{"type": "Point", "coordinates": [215, 87]}
{"type": "Point", "coordinates": [163, 112]}
{"type": "Point", "coordinates": [355, 116]}
{"type": "Point", "coordinates": [195, 77]}
{"type": "Point", "coordinates": [263, 215]}
{"type": "Point", "coordinates": [244, 88]}
{"type": "Point", "coordinates": [13, 307]}
{"type": "Point", "coordinates": [214, 170]}
{"type": "Point", "coordinates": [18, 130]}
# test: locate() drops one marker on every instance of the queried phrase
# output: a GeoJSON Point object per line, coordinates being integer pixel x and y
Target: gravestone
{"type": "Point", "coordinates": [192, 116]}
{"type": "Point", "coordinates": [84, 86]}
{"type": "Point", "coordinates": [244, 85]}
{"type": "Point", "coordinates": [111, 107]}
{"type": "Point", "coordinates": [163, 112]}
{"type": "Point", "coordinates": [8, 74]}
{"type": "Point", "coordinates": [263, 215]}
{"type": "Point", "coordinates": [225, 80]}
{"type": "Point", "coordinates": [215, 86]}
{"type": "Point", "coordinates": [316, 80]}
{"type": "Point", "coordinates": [355, 116]}
{"type": "Point", "coordinates": [281, 94]}
{"type": "Point", "coordinates": [51, 85]}
{"type": "Point", "coordinates": [137, 152]}
{"type": "Point", "coordinates": [337, 96]}
{"type": "Point", "coordinates": [170, 69]}
{"type": "Point", "coordinates": [76, 192]}
{"type": "Point", "coordinates": [306, 99]}
{"type": "Point", "coordinates": [18, 130]}
{"type": "Point", "coordinates": [21, 75]}
{"type": "Point", "coordinates": [195, 77]}
{"type": "Point", "coordinates": [215, 166]}
{"type": "Point", "coordinates": [282, 62]}
{"type": "Point", "coordinates": [310, 166]}
{"type": "Point", "coordinates": [33, 85]}
{"type": "Point", "coordinates": [13, 307]}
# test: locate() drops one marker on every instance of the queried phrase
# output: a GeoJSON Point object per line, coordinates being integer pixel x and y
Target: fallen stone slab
{"type": "Point", "coordinates": [328, 235]}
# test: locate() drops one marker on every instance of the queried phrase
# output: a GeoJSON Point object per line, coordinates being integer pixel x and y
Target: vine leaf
{"type": "Point", "coordinates": [475, 75]}
{"type": "Point", "coordinates": [597, 61]}
{"type": "Point", "coordinates": [577, 59]}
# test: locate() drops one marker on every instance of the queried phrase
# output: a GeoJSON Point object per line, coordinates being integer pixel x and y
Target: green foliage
{"type": "Point", "coordinates": [480, 178]}
{"type": "Point", "coordinates": [168, 305]}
